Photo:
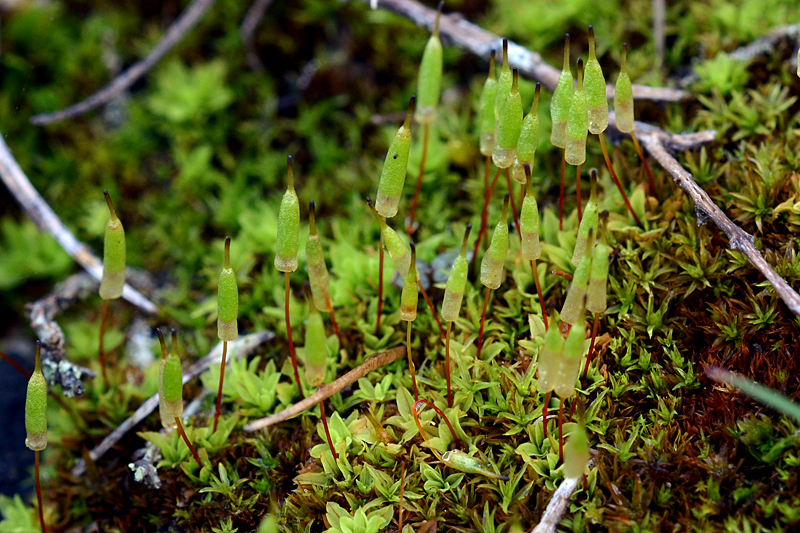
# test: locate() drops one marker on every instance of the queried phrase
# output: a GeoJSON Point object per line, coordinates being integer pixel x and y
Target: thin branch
{"type": "Point", "coordinates": [238, 348]}
{"type": "Point", "coordinates": [177, 31]}
{"type": "Point", "coordinates": [558, 505]}
{"type": "Point", "coordinates": [455, 30]}
{"type": "Point", "coordinates": [659, 30]}
{"type": "Point", "coordinates": [47, 221]}
{"type": "Point", "coordinates": [323, 393]}
{"type": "Point", "coordinates": [247, 30]}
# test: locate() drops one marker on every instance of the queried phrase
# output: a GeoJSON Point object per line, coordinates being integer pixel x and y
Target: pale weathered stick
{"type": "Point", "coordinates": [558, 505]}
{"type": "Point", "coordinates": [454, 29]}
{"type": "Point", "coordinates": [238, 348]}
{"type": "Point", "coordinates": [47, 221]}
{"type": "Point", "coordinates": [247, 30]}
{"type": "Point", "coordinates": [323, 393]}
{"type": "Point", "coordinates": [182, 25]}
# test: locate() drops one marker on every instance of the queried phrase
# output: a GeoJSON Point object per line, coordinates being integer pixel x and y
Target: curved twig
{"type": "Point", "coordinates": [558, 505]}
{"type": "Point", "coordinates": [372, 363]}
{"type": "Point", "coordinates": [47, 221]}
{"type": "Point", "coordinates": [453, 28]}
{"type": "Point", "coordinates": [182, 25]}
{"type": "Point", "coordinates": [238, 348]}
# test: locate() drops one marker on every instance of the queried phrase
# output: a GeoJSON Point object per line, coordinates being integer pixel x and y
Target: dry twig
{"type": "Point", "coordinates": [558, 505]}
{"type": "Point", "coordinates": [238, 348]}
{"type": "Point", "coordinates": [182, 25]}
{"type": "Point", "coordinates": [323, 393]}
{"type": "Point", "coordinates": [247, 30]}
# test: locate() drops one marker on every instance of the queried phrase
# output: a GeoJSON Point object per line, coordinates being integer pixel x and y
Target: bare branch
{"type": "Point", "coordinates": [47, 221]}
{"type": "Point", "coordinates": [241, 347]}
{"type": "Point", "coordinates": [247, 30]}
{"type": "Point", "coordinates": [372, 363]}
{"type": "Point", "coordinates": [558, 505]}
{"type": "Point", "coordinates": [468, 36]}
{"type": "Point", "coordinates": [182, 25]}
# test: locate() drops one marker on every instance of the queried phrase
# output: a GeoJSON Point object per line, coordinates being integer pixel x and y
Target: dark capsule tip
{"type": "Point", "coordinates": [38, 344]}
{"type": "Point", "coordinates": [440, 6]}
{"type": "Point", "coordinates": [594, 173]}
{"type": "Point", "coordinates": [566, 36]}
{"type": "Point", "coordinates": [469, 226]}
{"type": "Point", "coordinates": [493, 54]}
{"type": "Point", "coordinates": [288, 159]}
{"type": "Point", "coordinates": [580, 62]}
{"type": "Point", "coordinates": [591, 29]}
{"type": "Point", "coordinates": [604, 214]}
{"type": "Point", "coordinates": [311, 204]}
{"type": "Point", "coordinates": [105, 191]}
{"type": "Point", "coordinates": [227, 240]}
{"type": "Point", "coordinates": [369, 201]}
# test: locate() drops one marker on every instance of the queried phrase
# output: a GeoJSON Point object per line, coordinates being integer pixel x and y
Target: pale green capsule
{"type": "Point", "coordinates": [398, 251]}
{"type": "Point", "coordinates": [288, 226]}
{"type": "Point", "coordinates": [393, 175]}
{"type": "Point", "coordinates": [456, 282]}
{"type": "Point", "coordinates": [561, 102]}
{"type": "Point", "coordinates": [409, 297]}
{"type": "Point", "coordinates": [595, 84]}
{"type": "Point", "coordinates": [504, 82]}
{"type": "Point", "coordinates": [529, 220]}
{"type": "Point", "coordinates": [170, 390]}
{"type": "Point", "coordinates": [574, 302]}
{"type": "Point", "coordinates": [528, 139]}
{"type": "Point", "coordinates": [113, 280]}
{"type": "Point", "coordinates": [227, 299]}
{"type": "Point", "coordinates": [509, 124]}
{"type": "Point", "coordinates": [471, 465]}
{"type": "Point", "coordinates": [488, 95]}
{"type": "Point", "coordinates": [316, 349]}
{"type": "Point", "coordinates": [589, 223]}
{"type": "Point", "coordinates": [623, 97]}
{"type": "Point", "coordinates": [576, 453]}
{"type": "Point", "coordinates": [317, 270]}
{"type": "Point", "coordinates": [36, 406]}
{"type": "Point", "coordinates": [495, 257]}
{"type": "Point", "coordinates": [570, 364]}
{"type": "Point", "coordinates": [598, 280]}
{"type": "Point", "coordinates": [577, 123]}
{"type": "Point", "coordinates": [429, 80]}
{"type": "Point", "coordinates": [550, 357]}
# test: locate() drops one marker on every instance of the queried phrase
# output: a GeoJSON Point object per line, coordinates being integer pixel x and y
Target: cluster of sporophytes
{"type": "Point", "coordinates": [486, 451]}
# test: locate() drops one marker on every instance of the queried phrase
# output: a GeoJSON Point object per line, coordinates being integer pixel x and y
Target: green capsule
{"type": "Point", "coordinates": [577, 123]}
{"type": "Point", "coordinates": [550, 357]}
{"type": "Point", "coordinates": [113, 256]}
{"type": "Point", "coordinates": [429, 80]}
{"type": "Point", "coordinates": [393, 175]}
{"type": "Point", "coordinates": [598, 279]}
{"type": "Point", "coordinates": [495, 257]}
{"type": "Point", "coordinates": [576, 452]}
{"type": "Point", "coordinates": [623, 97]}
{"type": "Point", "coordinates": [227, 299]}
{"type": "Point", "coordinates": [589, 223]}
{"type": "Point", "coordinates": [316, 349]}
{"type": "Point", "coordinates": [504, 82]}
{"type": "Point", "coordinates": [574, 302]}
{"type": "Point", "coordinates": [288, 226]}
{"type": "Point", "coordinates": [595, 84]}
{"type": "Point", "coordinates": [317, 270]}
{"type": "Point", "coordinates": [398, 251]}
{"type": "Point", "coordinates": [488, 95]}
{"type": "Point", "coordinates": [409, 296]}
{"type": "Point", "coordinates": [456, 282]}
{"type": "Point", "coordinates": [529, 220]}
{"type": "Point", "coordinates": [462, 462]}
{"type": "Point", "coordinates": [528, 139]}
{"type": "Point", "coordinates": [509, 124]}
{"type": "Point", "coordinates": [170, 390]}
{"type": "Point", "coordinates": [562, 101]}
{"type": "Point", "coordinates": [570, 364]}
{"type": "Point", "coordinates": [36, 406]}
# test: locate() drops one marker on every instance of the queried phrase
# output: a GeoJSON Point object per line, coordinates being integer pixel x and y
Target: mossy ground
{"type": "Point", "coordinates": [197, 151]}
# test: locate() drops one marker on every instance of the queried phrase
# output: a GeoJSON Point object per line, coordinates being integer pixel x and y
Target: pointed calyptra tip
{"type": "Point", "coordinates": [515, 83]}
{"type": "Point", "coordinates": [506, 64]}
{"type": "Point", "coordinates": [110, 205]}
{"type": "Point", "coordinates": [464, 241]}
{"type": "Point", "coordinates": [174, 347]}
{"type": "Point", "coordinates": [413, 265]}
{"type": "Point", "coordinates": [528, 179]}
{"type": "Point", "coordinates": [593, 195]}
{"type": "Point", "coordinates": [591, 43]}
{"type": "Point", "coordinates": [289, 173]}
{"type": "Point", "coordinates": [566, 52]}
{"type": "Point", "coordinates": [624, 63]}
{"type": "Point", "coordinates": [492, 60]}
{"type": "Point", "coordinates": [535, 105]}
{"type": "Point", "coordinates": [227, 264]}
{"type": "Point", "coordinates": [412, 105]}
{"type": "Point", "coordinates": [312, 216]}
{"type": "Point", "coordinates": [580, 73]}
{"type": "Point", "coordinates": [438, 16]}
{"type": "Point", "coordinates": [162, 342]}
{"type": "Point", "coordinates": [38, 364]}
{"type": "Point", "coordinates": [505, 208]}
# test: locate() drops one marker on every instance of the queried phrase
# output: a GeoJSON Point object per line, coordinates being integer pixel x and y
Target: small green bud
{"type": "Point", "coordinates": [509, 124]}
{"type": "Point", "coordinates": [623, 97]}
{"type": "Point", "coordinates": [429, 80]}
{"type": "Point", "coordinates": [398, 251]}
{"type": "Point", "coordinates": [495, 258]}
{"type": "Point", "coordinates": [316, 349]}
{"type": "Point", "coordinates": [488, 95]}
{"type": "Point", "coordinates": [562, 101]}
{"type": "Point", "coordinates": [595, 84]}
{"type": "Point", "coordinates": [409, 297]}
{"type": "Point", "coordinates": [577, 123]}
{"type": "Point", "coordinates": [528, 139]}
{"type": "Point", "coordinates": [113, 280]}
{"type": "Point", "coordinates": [504, 82]}
{"type": "Point", "coordinates": [589, 223]}
{"type": "Point", "coordinates": [550, 357]}
{"type": "Point", "coordinates": [462, 462]}
{"type": "Point", "coordinates": [317, 270]}
{"type": "Point", "coordinates": [227, 299]}
{"type": "Point", "coordinates": [598, 280]}
{"type": "Point", "coordinates": [36, 406]}
{"type": "Point", "coordinates": [574, 302]}
{"type": "Point", "coordinates": [288, 225]}
{"type": "Point", "coordinates": [529, 220]}
{"type": "Point", "coordinates": [456, 282]}
{"type": "Point", "coordinates": [170, 388]}
{"type": "Point", "coordinates": [393, 175]}
{"type": "Point", "coordinates": [576, 452]}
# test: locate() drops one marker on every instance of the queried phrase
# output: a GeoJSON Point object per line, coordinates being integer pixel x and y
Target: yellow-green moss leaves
{"type": "Point", "coordinates": [429, 80]}
{"type": "Point", "coordinates": [528, 139]}
{"type": "Point", "coordinates": [488, 95]}
{"type": "Point", "coordinates": [288, 225]}
{"type": "Point", "coordinates": [529, 220]}
{"type": "Point", "coordinates": [577, 123]}
{"type": "Point", "coordinates": [456, 282]}
{"type": "Point", "coordinates": [409, 296]}
{"type": "Point", "coordinates": [317, 270]}
{"type": "Point", "coordinates": [595, 84]}
{"type": "Point", "coordinates": [494, 260]}
{"type": "Point", "coordinates": [623, 97]}
{"type": "Point", "coordinates": [393, 175]}
{"type": "Point", "coordinates": [509, 124]}
{"type": "Point", "coordinates": [562, 101]}
{"type": "Point", "coordinates": [170, 388]}
{"type": "Point", "coordinates": [36, 406]}
{"type": "Point", "coordinates": [227, 299]}
{"type": "Point", "coordinates": [113, 256]}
